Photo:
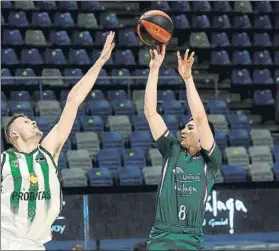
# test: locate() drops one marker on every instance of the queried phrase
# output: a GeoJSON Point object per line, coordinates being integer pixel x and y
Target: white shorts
{"type": "Point", "coordinates": [11, 243]}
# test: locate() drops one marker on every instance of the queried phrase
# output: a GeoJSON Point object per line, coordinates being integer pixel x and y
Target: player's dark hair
{"type": "Point", "coordinates": [7, 129]}
{"type": "Point", "coordinates": [210, 125]}
{"type": "Point", "coordinates": [140, 247]}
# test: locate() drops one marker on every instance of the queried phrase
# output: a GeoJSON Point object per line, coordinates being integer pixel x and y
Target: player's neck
{"type": "Point", "coordinates": [193, 150]}
{"type": "Point", "coordinates": [26, 146]}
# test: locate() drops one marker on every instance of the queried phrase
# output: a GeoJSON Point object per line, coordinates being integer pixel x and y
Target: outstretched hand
{"type": "Point", "coordinates": [185, 65]}
{"type": "Point", "coordinates": [157, 56]}
{"type": "Point", "coordinates": [108, 47]}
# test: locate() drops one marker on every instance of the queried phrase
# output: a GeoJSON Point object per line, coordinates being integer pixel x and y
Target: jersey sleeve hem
{"type": "Point", "coordinates": [47, 152]}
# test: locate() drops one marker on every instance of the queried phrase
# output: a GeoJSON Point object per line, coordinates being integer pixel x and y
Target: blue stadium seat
{"type": "Point", "coordinates": [222, 22]}
{"type": "Point", "coordinates": [220, 58]}
{"type": "Point", "coordinates": [221, 138]}
{"type": "Point", "coordinates": [9, 57]}
{"type": "Point", "coordinates": [276, 75]}
{"type": "Point", "coordinates": [141, 139]}
{"type": "Point", "coordinates": [62, 163]}
{"type": "Point", "coordinates": [171, 122]}
{"type": "Point", "coordinates": [262, 22]}
{"type": "Point", "coordinates": [21, 107]}
{"type": "Point", "coordinates": [76, 73]}
{"type": "Point", "coordinates": [241, 58]}
{"type": "Point", "coordinates": [103, 78]}
{"type": "Point", "coordinates": [12, 37]}
{"type": "Point", "coordinates": [262, 58]}
{"type": "Point", "coordinates": [124, 57]}
{"type": "Point", "coordinates": [18, 19]}
{"type": "Point", "coordinates": [96, 95]}
{"type": "Point", "coordinates": [55, 57]}
{"type": "Point", "coordinates": [168, 77]}
{"type": "Point", "coordinates": [160, 5]}
{"type": "Point", "coordinates": [166, 95]}
{"type": "Point", "coordinates": [262, 77]}
{"type": "Point", "coordinates": [79, 57]}
{"type": "Point", "coordinates": [275, 169]}
{"type": "Point", "coordinates": [275, 152]}
{"type": "Point", "coordinates": [6, 5]}
{"type": "Point", "coordinates": [44, 95]}
{"type": "Point", "coordinates": [220, 40]}
{"type": "Point", "coordinates": [241, 40]}
{"type": "Point", "coordinates": [142, 75]}
{"type": "Point", "coordinates": [217, 107]}
{"type": "Point", "coordinates": [180, 21]}
{"type": "Point", "coordinates": [262, 6]}
{"type": "Point", "coordinates": [109, 20]}
{"type": "Point", "coordinates": [239, 137]}
{"type": "Point", "coordinates": [117, 95]}
{"type": "Point", "coordinates": [140, 123]}
{"type": "Point", "coordinates": [201, 22]}
{"type": "Point", "coordinates": [201, 6]}
{"type": "Point", "coordinates": [180, 6]}
{"type": "Point", "coordinates": [76, 127]}
{"type": "Point", "coordinates": [5, 73]}
{"type": "Point", "coordinates": [60, 38]}
{"type": "Point", "coordinates": [173, 107]}
{"type": "Point", "coordinates": [241, 22]}
{"type": "Point", "coordinates": [222, 6]}
{"type": "Point", "coordinates": [276, 58]}
{"type": "Point", "coordinates": [100, 37]}
{"type": "Point", "coordinates": [4, 108]}
{"type": "Point", "coordinates": [3, 97]}
{"type": "Point", "coordinates": [100, 177]}
{"type": "Point", "coordinates": [64, 19]}
{"type": "Point", "coordinates": [238, 121]}
{"type": "Point", "coordinates": [97, 53]}
{"type": "Point", "coordinates": [3, 22]}
{"type": "Point", "coordinates": [130, 176]}
{"type": "Point", "coordinates": [276, 39]}
{"type": "Point", "coordinates": [127, 38]}
{"type": "Point", "coordinates": [233, 173]}
{"type": "Point", "coordinates": [134, 157]}
{"type": "Point", "coordinates": [263, 97]}
{"type": "Point", "coordinates": [68, 5]}
{"type": "Point", "coordinates": [240, 77]}
{"type": "Point", "coordinates": [99, 107]}
{"type": "Point", "coordinates": [20, 96]}
{"type": "Point", "coordinates": [28, 72]}
{"type": "Point", "coordinates": [92, 123]}
{"type": "Point", "coordinates": [82, 38]}
{"type": "Point", "coordinates": [31, 56]}
{"type": "Point", "coordinates": [109, 158]}
{"type": "Point", "coordinates": [123, 107]}
{"type": "Point", "coordinates": [41, 19]}
{"type": "Point", "coordinates": [67, 146]}
{"type": "Point", "coordinates": [111, 140]}
{"type": "Point", "coordinates": [262, 39]}
{"type": "Point", "coordinates": [90, 5]}
{"type": "Point", "coordinates": [48, 5]}
{"type": "Point", "coordinates": [43, 123]}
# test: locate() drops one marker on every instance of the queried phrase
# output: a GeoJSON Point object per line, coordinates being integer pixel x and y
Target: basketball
{"type": "Point", "coordinates": [155, 27]}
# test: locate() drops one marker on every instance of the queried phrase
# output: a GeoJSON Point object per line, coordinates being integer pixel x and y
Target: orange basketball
{"type": "Point", "coordinates": [155, 27]}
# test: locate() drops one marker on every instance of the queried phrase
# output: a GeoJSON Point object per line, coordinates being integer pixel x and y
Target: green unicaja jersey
{"type": "Point", "coordinates": [186, 182]}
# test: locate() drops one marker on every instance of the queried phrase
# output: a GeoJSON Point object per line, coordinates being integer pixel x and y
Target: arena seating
{"type": "Point", "coordinates": [237, 48]}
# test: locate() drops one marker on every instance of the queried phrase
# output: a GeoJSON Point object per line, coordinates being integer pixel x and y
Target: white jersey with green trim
{"type": "Point", "coordinates": [30, 194]}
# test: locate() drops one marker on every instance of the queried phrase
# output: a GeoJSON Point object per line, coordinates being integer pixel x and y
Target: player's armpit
{"type": "Point", "coordinates": [58, 135]}
{"type": "Point", "coordinates": [213, 157]}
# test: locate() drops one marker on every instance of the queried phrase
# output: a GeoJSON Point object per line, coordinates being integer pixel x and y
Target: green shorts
{"type": "Point", "coordinates": [164, 237]}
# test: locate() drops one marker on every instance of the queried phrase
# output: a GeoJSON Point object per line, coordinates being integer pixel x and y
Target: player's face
{"type": "Point", "coordinates": [26, 129]}
{"type": "Point", "coordinates": [189, 135]}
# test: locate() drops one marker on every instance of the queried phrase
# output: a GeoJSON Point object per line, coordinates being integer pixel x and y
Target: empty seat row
{"type": "Point", "coordinates": [243, 58]}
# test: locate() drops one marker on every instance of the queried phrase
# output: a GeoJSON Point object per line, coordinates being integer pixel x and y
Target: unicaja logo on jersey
{"type": "Point", "coordinates": [178, 170]}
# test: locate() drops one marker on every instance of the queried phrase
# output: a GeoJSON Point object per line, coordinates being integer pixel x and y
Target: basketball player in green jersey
{"type": "Point", "coordinates": [189, 164]}
{"type": "Point", "coordinates": [31, 194]}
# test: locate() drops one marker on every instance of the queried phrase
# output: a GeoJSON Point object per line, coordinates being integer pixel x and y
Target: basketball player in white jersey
{"type": "Point", "coordinates": [31, 194]}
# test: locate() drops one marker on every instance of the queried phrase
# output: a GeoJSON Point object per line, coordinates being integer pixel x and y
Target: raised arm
{"type": "Point", "coordinates": [194, 100]}
{"type": "Point", "coordinates": [56, 138]}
